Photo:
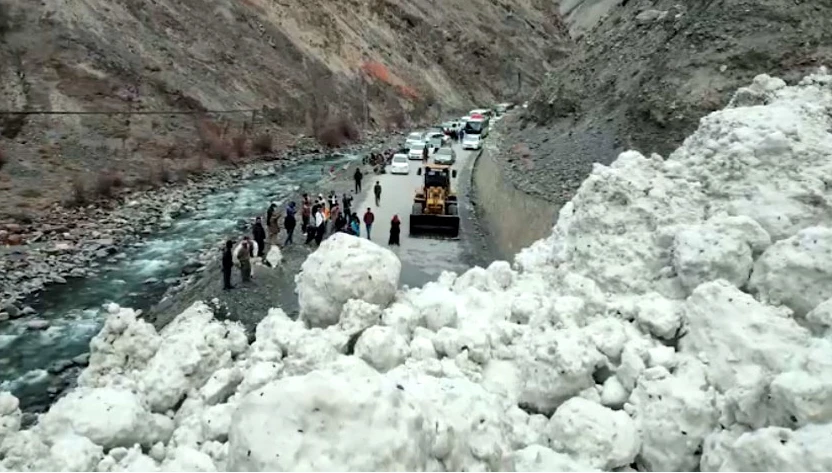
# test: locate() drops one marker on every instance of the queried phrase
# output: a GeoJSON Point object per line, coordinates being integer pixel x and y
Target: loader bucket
{"type": "Point", "coordinates": [426, 224]}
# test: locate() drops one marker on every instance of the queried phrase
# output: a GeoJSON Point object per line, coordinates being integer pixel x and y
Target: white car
{"type": "Point", "coordinates": [399, 164]}
{"type": "Point", "coordinates": [416, 153]}
{"type": "Point", "coordinates": [414, 139]}
{"type": "Point", "coordinates": [472, 142]}
{"type": "Point", "coordinates": [437, 139]}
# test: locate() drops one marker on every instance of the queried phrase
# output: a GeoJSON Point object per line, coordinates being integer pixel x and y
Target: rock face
{"type": "Point", "coordinates": [663, 326]}
{"type": "Point", "coordinates": [385, 61]}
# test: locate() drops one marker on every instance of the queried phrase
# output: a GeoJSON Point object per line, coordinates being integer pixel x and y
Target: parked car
{"type": "Point", "coordinates": [415, 153]}
{"type": "Point", "coordinates": [399, 164]}
{"type": "Point", "coordinates": [413, 139]}
{"type": "Point", "coordinates": [445, 156]}
{"type": "Point", "coordinates": [472, 141]}
{"type": "Point", "coordinates": [437, 139]}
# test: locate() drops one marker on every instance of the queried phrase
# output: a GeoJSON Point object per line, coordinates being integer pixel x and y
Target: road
{"type": "Point", "coordinates": [423, 258]}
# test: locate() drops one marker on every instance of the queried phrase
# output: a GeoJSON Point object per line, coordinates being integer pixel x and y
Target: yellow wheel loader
{"type": "Point", "coordinates": [435, 206]}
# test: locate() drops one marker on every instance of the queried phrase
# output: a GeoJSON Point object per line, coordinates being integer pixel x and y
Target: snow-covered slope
{"type": "Point", "coordinates": [678, 318]}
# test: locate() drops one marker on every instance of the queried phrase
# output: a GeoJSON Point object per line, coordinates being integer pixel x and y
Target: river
{"type": "Point", "coordinates": [75, 310]}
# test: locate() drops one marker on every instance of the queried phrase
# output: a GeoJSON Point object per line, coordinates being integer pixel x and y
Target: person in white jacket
{"type": "Point", "coordinates": [320, 225]}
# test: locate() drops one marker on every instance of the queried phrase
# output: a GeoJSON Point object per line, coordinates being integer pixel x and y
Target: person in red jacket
{"type": "Point", "coordinates": [369, 218]}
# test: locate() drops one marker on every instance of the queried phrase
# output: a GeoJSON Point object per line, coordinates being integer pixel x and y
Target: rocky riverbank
{"type": "Point", "coordinates": [72, 243]}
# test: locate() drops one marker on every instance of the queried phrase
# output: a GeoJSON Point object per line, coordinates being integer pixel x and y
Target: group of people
{"type": "Point", "coordinates": [318, 216]}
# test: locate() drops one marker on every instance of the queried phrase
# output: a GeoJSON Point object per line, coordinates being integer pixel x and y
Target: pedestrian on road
{"type": "Point", "coordinates": [227, 265]}
{"type": "Point", "coordinates": [355, 224]}
{"type": "Point", "coordinates": [311, 229]}
{"type": "Point", "coordinates": [369, 218]}
{"type": "Point", "coordinates": [289, 222]}
{"type": "Point", "coordinates": [259, 234]}
{"type": "Point", "coordinates": [333, 200]}
{"type": "Point", "coordinates": [320, 226]}
{"type": "Point", "coordinates": [305, 212]}
{"type": "Point", "coordinates": [244, 257]}
{"type": "Point", "coordinates": [358, 176]}
{"type": "Point", "coordinates": [395, 231]}
{"type": "Point", "coordinates": [425, 154]}
{"type": "Point", "coordinates": [347, 201]}
{"type": "Point", "coordinates": [377, 192]}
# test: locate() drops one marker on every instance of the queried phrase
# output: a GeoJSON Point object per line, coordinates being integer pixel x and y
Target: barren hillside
{"type": "Point", "coordinates": [300, 63]}
{"type": "Point", "coordinates": [648, 70]}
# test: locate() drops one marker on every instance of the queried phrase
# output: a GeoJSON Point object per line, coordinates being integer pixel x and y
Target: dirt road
{"type": "Point", "coordinates": [423, 258]}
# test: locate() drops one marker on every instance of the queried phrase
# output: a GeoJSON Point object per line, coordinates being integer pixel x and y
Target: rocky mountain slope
{"type": "Point", "coordinates": [643, 72]}
{"type": "Point", "coordinates": [301, 64]}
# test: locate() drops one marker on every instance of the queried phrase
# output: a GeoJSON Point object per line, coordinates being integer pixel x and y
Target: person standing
{"type": "Point", "coordinates": [369, 218]}
{"type": "Point", "coordinates": [305, 212]}
{"type": "Point", "coordinates": [227, 265]}
{"type": "Point", "coordinates": [289, 222]}
{"type": "Point", "coordinates": [244, 257]}
{"type": "Point", "coordinates": [358, 176]}
{"type": "Point", "coordinates": [311, 229]}
{"type": "Point", "coordinates": [395, 231]}
{"type": "Point", "coordinates": [273, 223]}
{"type": "Point", "coordinates": [259, 234]}
{"type": "Point", "coordinates": [355, 224]}
{"type": "Point", "coordinates": [347, 200]}
{"type": "Point", "coordinates": [320, 226]}
{"type": "Point", "coordinates": [377, 192]}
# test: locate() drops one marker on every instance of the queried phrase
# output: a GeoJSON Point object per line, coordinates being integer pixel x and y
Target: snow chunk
{"type": "Point", "coordinates": [776, 449]}
{"type": "Point", "coordinates": [716, 250]}
{"type": "Point", "coordinates": [592, 433]}
{"type": "Point", "coordinates": [345, 267]}
{"type": "Point", "coordinates": [10, 415]}
{"type": "Point", "coordinates": [324, 422]}
{"type": "Point", "coordinates": [274, 256]}
{"type": "Point", "coordinates": [556, 366]}
{"type": "Point", "coordinates": [796, 271]}
{"type": "Point", "coordinates": [540, 458]}
{"type": "Point", "coordinates": [358, 315]}
{"type": "Point", "coordinates": [109, 417]}
{"type": "Point", "coordinates": [382, 348]}
{"type": "Point", "coordinates": [193, 346]}
{"type": "Point", "coordinates": [731, 329]}
{"type": "Point", "coordinates": [673, 416]}
{"type": "Point", "coordinates": [221, 385]}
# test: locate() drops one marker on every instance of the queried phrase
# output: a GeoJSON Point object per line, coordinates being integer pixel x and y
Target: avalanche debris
{"type": "Point", "coordinates": [676, 319]}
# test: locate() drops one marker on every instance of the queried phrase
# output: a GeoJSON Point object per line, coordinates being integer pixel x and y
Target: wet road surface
{"type": "Point", "coordinates": [424, 257]}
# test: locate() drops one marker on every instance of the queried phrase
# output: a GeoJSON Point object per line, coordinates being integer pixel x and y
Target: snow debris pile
{"type": "Point", "coordinates": [677, 319]}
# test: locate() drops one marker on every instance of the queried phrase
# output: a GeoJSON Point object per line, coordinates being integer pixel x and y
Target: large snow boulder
{"type": "Point", "coordinates": [797, 271]}
{"type": "Point", "coordinates": [107, 416]}
{"type": "Point", "coordinates": [123, 346]}
{"type": "Point", "coordinates": [554, 366]}
{"type": "Point", "coordinates": [345, 267]}
{"type": "Point", "coordinates": [324, 422]}
{"type": "Point", "coordinates": [594, 434]}
{"type": "Point", "coordinates": [194, 345]}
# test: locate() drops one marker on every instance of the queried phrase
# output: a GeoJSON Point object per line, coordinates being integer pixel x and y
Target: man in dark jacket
{"type": "Point", "coordinates": [227, 265]}
{"type": "Point", "coordinates": [289, 223]}
{"type": "Point", "coordinates": [377, 192]}
{"type": "Point", "coordinates": [259, 234]}
{"type": "Point", "coordinates": [358, 176]}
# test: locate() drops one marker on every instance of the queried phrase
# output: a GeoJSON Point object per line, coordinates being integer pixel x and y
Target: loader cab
{"type": "Point", "coordinates": [436, 176]}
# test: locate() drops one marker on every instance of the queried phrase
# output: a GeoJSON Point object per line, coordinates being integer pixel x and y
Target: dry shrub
{"type": "Point", "coordinates": [195, 166]}
{"type": "Point", "coordinates": [213, 140]}
{"type": "Point", "coordinates": [263, 144]}
{"type": "Point", "coordinates": [31, 193]}
{"type": "Point", "coordinates": [239, 142]}
{"type": "Point", "coordinates": [3, 159]}
{"type": "Point", "coordinates": [79, 196]}
{"type": "Point", "coordinates": [106, 182]}
{"type": "Point", "coordinates": [337, 133]}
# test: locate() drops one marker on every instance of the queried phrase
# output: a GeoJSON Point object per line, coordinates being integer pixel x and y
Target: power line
{"type": "Point", "coordinates": [137, 112]}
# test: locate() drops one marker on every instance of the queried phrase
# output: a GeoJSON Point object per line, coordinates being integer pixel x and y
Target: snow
{"type": "Point", "coordinates": [677, 319]}
{"type": "Point", "coordinates": [345, 267]}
